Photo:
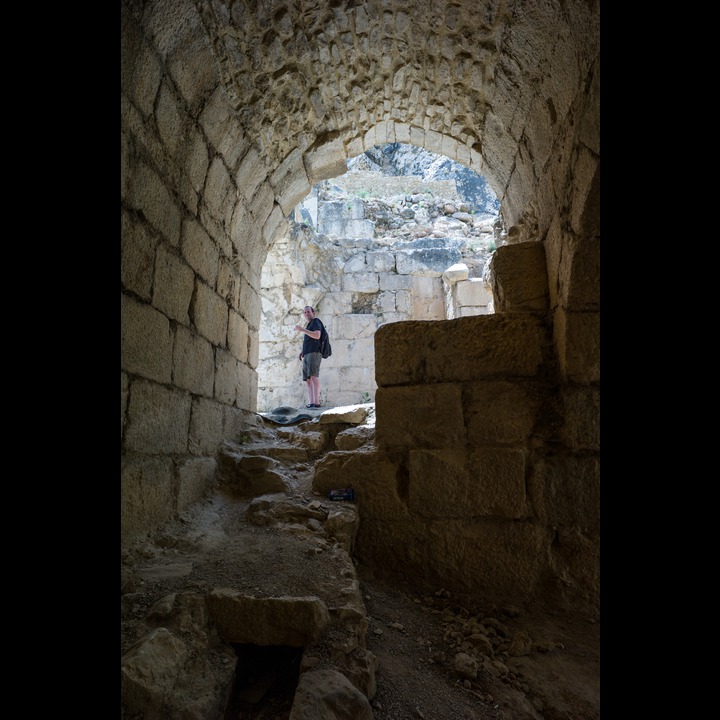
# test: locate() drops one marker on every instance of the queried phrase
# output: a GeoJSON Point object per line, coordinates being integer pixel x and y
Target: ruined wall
{"type": "Point", "coordinates": [484, 478]}
{"type": "Point", "coordinates": [231, 112]}
{"type": "Point", "coordinates": [190, 263]}
{"type": "Point", "coordinates": [358, 282]}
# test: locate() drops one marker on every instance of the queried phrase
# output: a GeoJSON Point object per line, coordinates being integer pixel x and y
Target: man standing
{"type": "Point", "coordinates": [310, 356]}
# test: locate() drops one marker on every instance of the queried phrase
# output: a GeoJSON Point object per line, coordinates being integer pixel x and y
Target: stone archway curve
{"type": "Point", "coordinates": [295, 177]}
{"type": "Point", "coordinates": [232, 109]}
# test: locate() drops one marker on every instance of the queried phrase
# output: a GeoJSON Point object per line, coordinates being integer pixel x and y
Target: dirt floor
{"type": "Point", "coordinates": [415, 636]}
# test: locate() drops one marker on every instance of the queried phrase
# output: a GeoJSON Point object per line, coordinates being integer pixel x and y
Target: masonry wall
{"type": "Point", "coordinates": [357, 283]}
{"type": "Point", "coordinates": [214, 158]}
{"type": "Point", "coordinates": [190, 303]}
{"type": "Point", "coordinates": [483, 477]}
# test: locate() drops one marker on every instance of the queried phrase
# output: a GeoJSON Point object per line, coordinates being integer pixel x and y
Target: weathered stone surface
{"type": "Point", "coordinates": [346, 414]}
{"type": "Point", "coordinates": [250, 475]}
{"type": "Point", "coordinates": [328, 695]}
{"type": "Point", "coordinates": [158, 419]}
{"type": "Point", "coordinates": [565, 490]}
{"type": "Point", "coordinates": [219, 110]}
{"type": "Point", "coordinates": [290, 182]}
{"type": "Point", "coordinates": [150, 671]}
{"type": "Point", "coordinates": [194, 363]}
{"type": "Point", "coordinates": [490, 483]}
{"type": "Point", "coordinates": [429, 261]}
{"type": "Point", "coordinates": [459, 350]}
{"type": "Point", "coordinates": [427, 416]}
{"type": "Point", "coordinates": [374, 478]}
{"type": "Point", "coordinates": [355, 437]}
{"type": "Point", "coordinates": [500, 412]}
{"type": "Point", "coordinates": [456, 272]}
{"type": "Point", "coordinates": [293, 621]}
{"type": "Point", "coordinates": [181, 669]}
{"type": "Point", "coordinates": [146, 487]}
{"type": "Point", "coordinates": [146, 341]}
{"type": "Point", "coordinates": [520, 278]}
{"type": "Point", "coordinates": [326, 159]}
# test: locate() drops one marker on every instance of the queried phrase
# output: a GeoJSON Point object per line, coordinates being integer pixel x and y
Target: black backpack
{"type": "Point", "coordinates": [325, 349]}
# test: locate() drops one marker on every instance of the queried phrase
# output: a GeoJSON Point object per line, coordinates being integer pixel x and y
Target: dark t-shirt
{"type": "Point", "coordinates": [310, 345]}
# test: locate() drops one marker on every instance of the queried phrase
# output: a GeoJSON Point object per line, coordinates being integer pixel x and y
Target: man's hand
{"type": "Point", "coordinates": [300, 356]}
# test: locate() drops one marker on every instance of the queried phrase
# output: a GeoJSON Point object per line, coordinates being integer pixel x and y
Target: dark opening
{"type": "Point", "coordinates": [266, 678]}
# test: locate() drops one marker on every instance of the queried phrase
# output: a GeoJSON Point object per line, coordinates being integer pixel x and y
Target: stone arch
{"type": "Point", "coordinates": [304, 268]}
{"type": "Point", "coordinates": [231, 110]}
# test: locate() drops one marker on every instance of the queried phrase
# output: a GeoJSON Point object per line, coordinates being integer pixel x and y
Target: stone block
{"type": "Point", "coordinates": [420, 416]}
{"type": "Point", "coordinates": [145, 341]}
{"type": "Point", "coordinates": [193, 363]}
{"type": "Point", "coordinates": [173, 285]}
{"type": "Point", "coordinates": [325, 159]}
{"type": "Point", "coordinates": [158, 419]}
{"type": "Point", "coordinates": [579, 273]}
{"type": "Point", "coordinates": [238, 336]}
{"type": "Point", "coordinates": [146, 74]}
{"type": "Point", "coordinates": [459, 350]}
{"type": "Point", "coordinates": [171, 121]}
{"type": "Point", "coordinates": [427, 298]}
{"type": "Point", "coordinates": [150, 670]}
{"type": "Point", "coordinates": [200, 252]}
{"type": "Point", "coordinates": [228, 284]}
{"type": "Point", "coordinates": [472, 291]}
{"type": "Point", "coordinates": [222, 128]}
{"type": "Point", "coordinates": [490, 558]}
{"type": "Point", "coordinates": [247, 386]}
{"type": "Point", "coordinates": [226, 367]}
{"type": "Point", "coordinates": [500, 412]}
{"type": "Point", "coordinates": [585, 210]}
{"type": "Point", "coordinates": [294, 621]}
{"type": "Point", "coordinates": [206, 426]}
{"type": "Point", "coordinates": [450, 484]}
{"type": "Point", "coordinates": [361, 282]}
{"type": "Point", "coordinates": [519, 278]}
{"type": "Point", "coordinates": [581, 413]}
{"type": "Point", "coordinates": [150, 196]}
{"type": "Point", "coordinates": [577, 336]}
{"type": "Point", "coordinates": [209, 313]}
{"type": "Point", "coordinates": [146, 495]}
{"type": "Point", "coordinates": [274, 226]}
{"type": "Point", "coordinates": [565, 491]}
{"type": "Point", "coordinates": [220, 193]}
{"type": "Point", "coordinates": [381, 261]}
{"type": "Point", "coordinates": [392, 281]}
{"type": "Point", "coordinates": [456, 273]}
{"type": "Point", "coordinates": [137, 257]}
{"type": "Point", "coordinates": [290, 182]}
{"type": "Point", "coordinates": [373, 477]}
{"type": "Point", "coordinates": [426, 261]}
{"type": "Point", "coordinates": [327, 693]}
{"type": "Point", "coordinates": [251, 173]}
{"type": "Point", "coordinates": [197, 160]}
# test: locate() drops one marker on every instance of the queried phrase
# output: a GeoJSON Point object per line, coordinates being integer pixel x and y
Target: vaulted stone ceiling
{"type": "Point", "coordinates": [492, 84]}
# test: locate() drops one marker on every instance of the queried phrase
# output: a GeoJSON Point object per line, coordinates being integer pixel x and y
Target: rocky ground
{"type": "Point", "coordinates": [440, 657]}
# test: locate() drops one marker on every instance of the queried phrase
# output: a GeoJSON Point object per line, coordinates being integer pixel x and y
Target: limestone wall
{"type": "Point", "coordinates": [483, 478]}
{"type": "Point", "coordinates": [230, 114]}
{"type": "Point", "coordinates": [357, 283]}
{"type": "Point", "coordinates": [190, 303]}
